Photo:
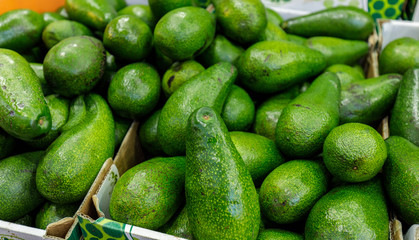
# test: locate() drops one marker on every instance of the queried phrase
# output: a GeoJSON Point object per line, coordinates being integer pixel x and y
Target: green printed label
{"type": "Point", "coordinates": [386, 9]}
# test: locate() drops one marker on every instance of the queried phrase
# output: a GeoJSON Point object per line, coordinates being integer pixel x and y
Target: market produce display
{"type": "Point", "coordinates": [251, 127]}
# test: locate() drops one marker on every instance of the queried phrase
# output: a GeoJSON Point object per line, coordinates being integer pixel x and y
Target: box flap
{"type": "Point", "coordinates": [104, 192]}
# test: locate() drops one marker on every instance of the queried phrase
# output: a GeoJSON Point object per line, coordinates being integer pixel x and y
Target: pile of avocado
{"type": "Point", "coordinates": [252, 127]}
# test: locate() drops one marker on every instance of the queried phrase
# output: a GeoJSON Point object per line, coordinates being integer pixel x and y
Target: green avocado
{"type": "Point", "coordinates": [272, 66]}
{"type": "Point", "coordinates": [59, 108]}
{"type": "Point", "coordinates": [18, 191]}
{"type": "Point", "coordinates": [180, 36]}
{"type": "Point", "coordinates": [267, 115]}
{"type": "Point", "coordinates": [75, 65]}
{"type": "Point", "coordinates": [354, 152]}
{"type": "Point", "coordinates": [241, 20]}
{"type": "Point", "coordinates": [401, 178]}
{"type": "Point", "coordinates": [399, 55]}
{"type": "Point", "coordinates": [161, 7]}
{"type": "Point", "coordinates": [297, 39]}
{"type": "Point", "coordinates": [404, 120]}
{"type": "Point", "coordinates": [51, 212]}
{"type": "Point", "coordinates": [117, 4]}
{"type": "Point", "coordinates": [148, 194]}
{"type": "Point", "coordinates": [307, 120]}
{"type": "Point", "coordinates": [95, 14]}
{"type": "Point", "coordinates": [239, 110]}
{"type": "Point", "coordinates": [345, 22]}
{"type": "Point", "coordinates": [180, 226]}
{"type": "Point", "coordinates": [20, 30]}
{"type": "Point", "coordinates": [259, 154]}
{"type": "Point", "coordinates": [345, 73]}
{"type": "Point", "coordinates": [220, 50]}
{"type": "Point", "coordinates": [274, 17]}
{"type": "Point", "coordinates": [26, 220]}
{"type": "Point", "coordinates": [351, 211]}
{"type": "Point", "coordinates": [337, 50]}
{"type": "Point", "coordinates": [62, 29]}
{"type": "Point", "coordinates": [290, 191]}
{"type": "Point", "coordinates": [273, 33]}
{"type": "Point", "coordinates": [134, 90]}
{"type": "Point", "coordinates": [128, 38]}
{"type": "Point", "coordinates": [73, 160]}
{"type": "Point", "coordinates": [221, 198]}
{"type": "Point", "coordinates": [76, 113]}
{"type": "Point", "coordinates": [179, 73]}
{"type": "Point", "coordinates": [50, 17]}
{"type": "Point", "coordinates": [7, 144]}
{"type": "Point", "coordinates": [38, 68]}
{"type": "Point", "coordinates": [24, 113]}
{"type": "Point", "coordinates": [148, 135]}
{"type": "Point", "coordinates": [122, 126]}
{"type": "Point", "coordinates": [368, 101]}
{"type": "Point", "coordinates": [275, 234]}
{"type": "Point", "coordinates": [209, 88]}
{"type": "Point", "coordinates": [143, 12]}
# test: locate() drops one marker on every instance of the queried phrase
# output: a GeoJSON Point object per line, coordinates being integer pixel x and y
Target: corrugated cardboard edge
{"type": "Point", "coordinates": [89, 207]}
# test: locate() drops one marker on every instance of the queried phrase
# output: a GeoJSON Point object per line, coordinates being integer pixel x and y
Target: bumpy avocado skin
{"type": "Point", "coordinates": [180, 227]}
{"type": "Point", "coordinates": [273, 234]}
{"type": "Point", "coordinates": [354, 152]}
{"type": "Point", "coordinates": [128, 38]}
{"type": "Point", "coordinates": [20, 30]}
{"type": "Point", "coordinates": [220, 50]}
{"type": "Point", "coordinates": [122, 126]}
{"type": "Point", "coordinates": [59, 108]}
{"type": "Point", "coordinates": [345, 22]}
{"type": "Point", "coordinates": [273, 32]}
{"type": "Point", "coordinates": [267, 115]}
{"type": "Point", "coordinates": [368, 101]}
{"type": "Point", "coordinates": [401, 177]}
{"type": "Point", "coordinates": [259, 154]}
{"type": "Point", "coordinates": [95, 14]}
{"type": "Point", "coordinates": [7, 144]}
{"type": "Point", "coordinates": [134, 90]}
{"type": "Point", "coordinates": [73, 160]}
{"type": "Point", "coordinates": [148, 135]}
{"type": "Point", "coordinates": [273, 17]}
{"type": "Point", "coordinates": [24, 113]}
{"type": "Point", "coordinates": [161, 7]}
{"type": "Point", "coordinates": [272, 66]}
{"type": "Point", "coordinates": [62, 29]}
{"type": "Point", "coordinates": [307, 120]}
{"type": "Point", "coordinates": [346, 74]}
{"type": "Point", "coordinates": [209, 88]}
{"type": "Point", "coordinates": [179, 73]}
{"type": "Point", "coordinates": [18, 191]}
{"type": "Point", "coordinates": [339, 51]}
{"type": "Point", "coordinates": [239, 110]}
{"type": "Point", "coordinates": [221, 198]}
{"type": "Point", "coordinates": [404, 120]}
{"type": "Point", "coordinates": [399, 55]}
{"type": "Point", "coordinates": [75, 65]}
{"type": "Point", "coordinates": [51, 212]}
{"type": "Point", "coordinates": [351, 211]}
{"type": "Point", "coordinates": [241, 20]}
{"type": "Point", "coordinates": [148, 194]}
{"type": "Point", "coordinates": [180, 36]}
{"type": "Point", "coordinates": [290, 191]}
{"type": "Point", "coordinates": [141, 11]}
{"type": "Point", "coordinates": [50, 17]}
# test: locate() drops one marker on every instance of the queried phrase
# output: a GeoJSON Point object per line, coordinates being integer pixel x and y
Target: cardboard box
{"type": "Point", "coordinates": [94, 215]}
{"type": "Point", "coordinates": [390, 30]}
